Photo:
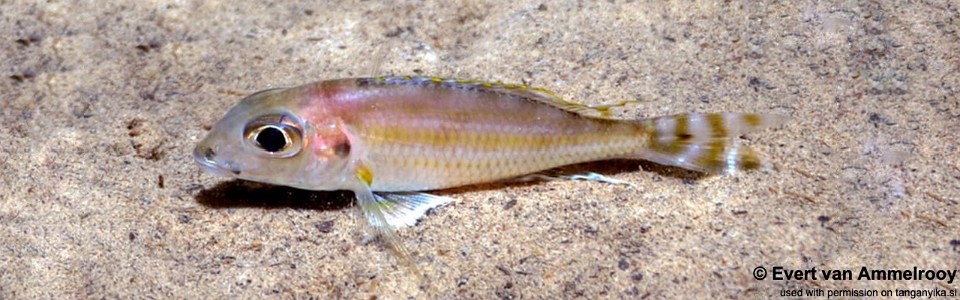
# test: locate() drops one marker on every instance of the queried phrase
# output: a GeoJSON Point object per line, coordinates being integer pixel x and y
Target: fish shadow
{"type": "Point", "coordinates": [247, 194]}
{"type": "Point", "coordinates": [241, 193]}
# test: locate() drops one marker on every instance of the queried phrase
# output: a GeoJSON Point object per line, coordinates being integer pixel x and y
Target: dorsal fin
{"type": "Point", "coordinates": [522, 91]}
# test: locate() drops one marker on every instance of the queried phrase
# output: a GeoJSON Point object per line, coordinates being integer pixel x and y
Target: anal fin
{"type": "Point", "coordinates": [560, 175]}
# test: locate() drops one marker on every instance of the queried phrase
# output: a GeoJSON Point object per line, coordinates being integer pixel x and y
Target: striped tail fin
{"type": "Point", "coordinates": [705, 142]}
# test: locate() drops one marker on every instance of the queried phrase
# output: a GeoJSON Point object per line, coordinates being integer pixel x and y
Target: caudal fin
{"type": "Point", "coordinates": [706, 142]}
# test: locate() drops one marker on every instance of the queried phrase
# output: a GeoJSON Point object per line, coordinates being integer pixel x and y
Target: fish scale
{"type": "Point", "coordinates": [497, 155]}
{"type": "Point", "coordinates": [530, 137]}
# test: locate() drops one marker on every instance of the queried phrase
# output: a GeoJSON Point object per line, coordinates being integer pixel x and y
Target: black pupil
{"type": "Point", "coordinates": [271, 139]}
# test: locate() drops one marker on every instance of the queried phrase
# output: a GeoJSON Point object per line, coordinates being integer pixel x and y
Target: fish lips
{"type": "Point", "coordinates": [206, 157]}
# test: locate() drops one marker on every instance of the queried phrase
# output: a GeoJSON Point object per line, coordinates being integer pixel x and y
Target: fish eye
{"type": "Point", "coordinates": [272, 139]}
{"type": "Point", "coordinates": [274, 135]}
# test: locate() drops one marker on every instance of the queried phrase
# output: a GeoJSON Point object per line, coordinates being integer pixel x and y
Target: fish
{"type": "Point", "coordinates": [393, 139]}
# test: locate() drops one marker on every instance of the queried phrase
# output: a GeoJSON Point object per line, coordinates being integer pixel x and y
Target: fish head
{"type": "Point", "coordinates": [265, 138]}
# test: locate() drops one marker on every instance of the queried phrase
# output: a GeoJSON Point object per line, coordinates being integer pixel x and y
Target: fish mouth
{"type": "Point", "coordinates": [206, 157]}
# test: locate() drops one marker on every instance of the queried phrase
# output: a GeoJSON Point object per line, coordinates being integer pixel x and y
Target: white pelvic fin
{"type": "Point", "coordinates": [376, 216]}
{"type": "Point", "coordinates": [404, 209]}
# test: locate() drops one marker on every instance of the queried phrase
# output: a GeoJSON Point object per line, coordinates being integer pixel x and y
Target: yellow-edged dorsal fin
{"type": "Point", "coordinates": [523, 91]}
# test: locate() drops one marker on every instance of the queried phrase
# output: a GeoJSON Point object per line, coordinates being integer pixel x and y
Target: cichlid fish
{"type": "Point", "coordinates": [387, 139]}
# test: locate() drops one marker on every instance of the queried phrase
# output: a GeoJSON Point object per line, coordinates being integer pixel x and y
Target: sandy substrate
{"type": "Point", "coordinates": [102, 103]}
